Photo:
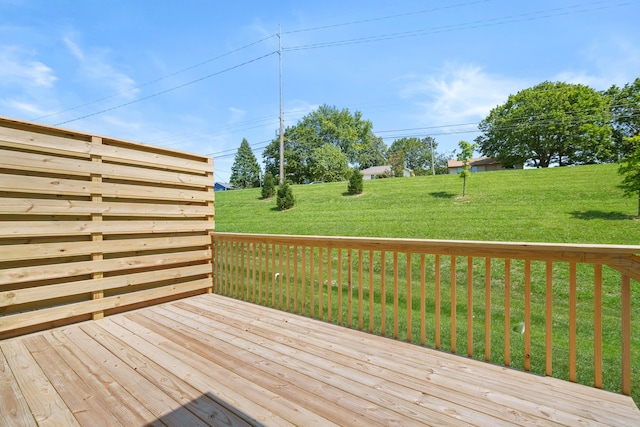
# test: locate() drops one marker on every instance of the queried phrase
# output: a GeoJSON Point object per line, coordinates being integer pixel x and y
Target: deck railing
{"type": "Point", "coordinates": [554, 309]}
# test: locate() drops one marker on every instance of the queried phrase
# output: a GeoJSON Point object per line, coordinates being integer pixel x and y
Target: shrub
{"type": "Point", "coordinates": [285, 197]}
{"type": "Point", "coordinates": [355, 182]}
{"type": "Point", "coordinates": [268, 188]}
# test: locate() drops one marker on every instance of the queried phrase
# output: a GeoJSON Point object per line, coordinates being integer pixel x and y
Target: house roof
{"type": "Point", "coordinates": [224, 185]}
{"type": "Point", "coordinates": [477, 161]}
{"type": "Point", "coordinates": [379, 170]}
{"type": "Point", "coordinates": [376, 170]}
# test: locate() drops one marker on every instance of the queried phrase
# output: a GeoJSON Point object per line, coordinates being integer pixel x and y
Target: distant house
{"type": "Point", "coordinates": [223, 186]}
{"type": "Point", "coordinates": [372, 172]}
{"type": "Point", "coordinates": [479, 164]}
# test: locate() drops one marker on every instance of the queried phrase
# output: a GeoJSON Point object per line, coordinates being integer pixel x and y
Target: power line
{"type": "Point", "coordinates": [167, 90]}
{"type": "Point", "coordinates": [382, 18]}
{"type": "Point", "coordinates": [464, 26]}
{"type": "Point", "coordinates": [191, 67]}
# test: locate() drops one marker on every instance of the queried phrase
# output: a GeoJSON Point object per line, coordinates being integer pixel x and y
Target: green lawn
{"type": "Point", "coordinates": [569, 205]}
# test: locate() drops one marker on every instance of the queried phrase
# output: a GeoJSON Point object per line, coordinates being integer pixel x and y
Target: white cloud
{"type": "Point", "coordinates": [614, 60]}
{"type": "Point", "coordinates": [458, 93]}
{"type": "Point", "coordinates": [26, 107]}
{"type": "Point", "coordinates": [236, 114]}
{"type": "Point", "coordinates": [96, 66]}
{"type": "Point", "coordinates": [74, 48]}
{"type": "Point", "coordinates": [18, 68]}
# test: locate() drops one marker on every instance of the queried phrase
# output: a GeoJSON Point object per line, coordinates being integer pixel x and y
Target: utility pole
{"type": "Point", "coordinates": [281, 113]}
{"type": "Point", "coordinates": [433, 165]}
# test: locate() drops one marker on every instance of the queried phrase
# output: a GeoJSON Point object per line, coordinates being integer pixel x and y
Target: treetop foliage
{"type": "Point", "coordinates": [625, 114]}
{"type": "Point", "coordinates": [549, 123]}
{"type": "Point", "coordinates": [630, 170]}
{"type": "Point", "coordinates": [285, 199]}
{"type": "Point", "coordinates": [245, 171]}
{"type": "Point", "coordinates": [327, 126]}
{"type": "Point", "coordinates": [465, 154]}
{"type": "Point", "coordinates": [356, 182]}
{"type": "Point", "coordinates": [268, 186]}
{"type": "Point", "coordinates": [414, 153]}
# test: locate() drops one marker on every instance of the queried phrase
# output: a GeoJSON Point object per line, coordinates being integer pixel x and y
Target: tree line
{"type": "Point", "coordinates": [327, 144]}
{"type": "Point", "coordinates": [552, 123]}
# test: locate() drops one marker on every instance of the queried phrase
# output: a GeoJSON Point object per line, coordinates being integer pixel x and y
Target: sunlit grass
{"type": "Point", "coordinates": [570, 205]}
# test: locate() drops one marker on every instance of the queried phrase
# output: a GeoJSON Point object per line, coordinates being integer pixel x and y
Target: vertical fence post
{"type": "Point", "coordinates": [437, 301]}
{"type": "Point", "coordinates": [572, 321]}
{"type": "Point", "coordinates": [409, 297]}
{"type": "Point", "coordinates": [469, 307]}
{"type": "Point", "coordinates": [96, 238]}
{"type": "Point", "coordinates": [597, 325]}
{"type": "Point", "coordinates": [487, 311]}
{"type": "Point", "coordinates": [507, 312]}
{"type": "Point", "coordinates": [453, 304]}
{"type": "Point", "coordinates": [210, 216]}
{"type": "Point", "coordinates": [383, 294]}
{"type": "Point", "coordinates": [549, 320]}
{"type": "Point", "coordinates": [626, 334]}
{"type": "Point", "coordinates": [527, 315]}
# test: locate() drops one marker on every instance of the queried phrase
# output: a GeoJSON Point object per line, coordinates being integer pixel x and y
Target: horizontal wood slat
{"type": "Point", "coordinates": [66, 249]}
{"type": "Point", "coordinates": [73, 187]}
{"type": "Point", "coordinates": [24, 206]}
{"type": "Point", "coordinates": [30, 318]}
{"type": "Point", "coordinates": [143, 155]}
{"type": "Point", "coordinates": [84, 217]}
{"type": "Point", "coordinates": [29, 274]}
{"type": "Point", "coordinates": [28, 295]}
{"type": "Point", "coordinates": [60, 165]}
{"type": "Point", "coordinates": [70, 228]}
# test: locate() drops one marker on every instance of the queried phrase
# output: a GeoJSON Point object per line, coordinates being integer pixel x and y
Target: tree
{"type": "Point", "coordinates": [268, 187]}
{"type": "Point", "coordinates": [625, 116]}
{"type": "Point", "coordinates": [549, 123]}
{"type": "Point", "coordinates": [397, 163]}
{"type": "Point", "coordinates": [630, 169]}
{"type": "Point", "coordinates": [441, 163]}
{"type": "Point", "coordinates": [327, 125]}
{"type": "Point", "coordinates": [416, 153]}
{"type": "Point", "coordinates": [372, 152]}
{"type": "Point", "coordinates": [328, 164]}
{"type": "Point", "coordinates": [285, 198]}
{"type": "Point", "coordinates": [356, 182]}
{"type": "Point", "coordinates": [466, 153]}
{"type": "Point", "coordinates": [245, 171]}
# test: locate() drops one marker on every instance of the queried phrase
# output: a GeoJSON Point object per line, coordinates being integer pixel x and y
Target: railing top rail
{"type": "Point", "coordinates": [621, 257]}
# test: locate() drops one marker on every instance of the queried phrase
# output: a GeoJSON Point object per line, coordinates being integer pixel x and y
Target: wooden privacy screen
{"type": "Point", "coordinates": [90, 226]}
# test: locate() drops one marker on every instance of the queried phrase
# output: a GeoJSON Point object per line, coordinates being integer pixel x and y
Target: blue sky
{"type": "Point", "coordinates": [200, 75]}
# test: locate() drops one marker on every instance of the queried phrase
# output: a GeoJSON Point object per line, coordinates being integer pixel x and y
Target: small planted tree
{"type": "Point", "coordinates": [466, 152]}
{"type": "Point", "coordinates": [285, 197]}
{"type": "Point", "coordinates": [245, 172]}
{"type": "Point", "coordinates": [630, 170]}
{"type": "Point", "coordinates": [268, 187]}
{"type": "Point", "coordinates": [355, 182]}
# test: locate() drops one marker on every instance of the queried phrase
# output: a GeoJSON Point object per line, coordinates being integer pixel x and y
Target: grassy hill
{"type": "Point", "coordinates": [571, 205]}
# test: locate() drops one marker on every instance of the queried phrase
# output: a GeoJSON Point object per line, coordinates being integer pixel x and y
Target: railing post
{"type": "Point", "coordinates": [549, 320]}
{"type": "Point", "coordinates": [626, 335]}
{"type": "Point", "coordinates": [507, 312]}
{"type": "Point", "coordinates": [597, 325]}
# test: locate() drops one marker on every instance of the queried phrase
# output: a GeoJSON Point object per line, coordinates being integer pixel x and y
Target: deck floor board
{"type": "Point", "coordinates": [211, 360]}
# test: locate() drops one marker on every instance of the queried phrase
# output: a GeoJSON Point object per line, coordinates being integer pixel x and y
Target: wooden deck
{"type": "Point", "coordinates": [211, 360]}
